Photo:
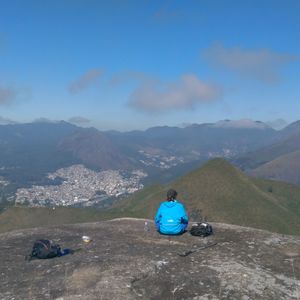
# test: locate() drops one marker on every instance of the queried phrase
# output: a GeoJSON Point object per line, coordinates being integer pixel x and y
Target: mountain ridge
{"type": "Point", "coordinates": [220, 192]}
{"type": "Point", "coordinates": [283, 168]}
{"type": "Point", "coordinates": [29, 152]}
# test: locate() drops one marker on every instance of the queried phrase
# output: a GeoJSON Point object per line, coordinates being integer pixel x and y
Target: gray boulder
{"type": "Point", "coordinates": [126, 262]}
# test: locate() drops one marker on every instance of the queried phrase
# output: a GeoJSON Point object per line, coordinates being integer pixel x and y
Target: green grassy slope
{"type": "Point", "coordinates": [25, 217]}
{"type": "Point", "coordinates": [218, 190]}
{"type": "Point", "coordinates": [225, 194]}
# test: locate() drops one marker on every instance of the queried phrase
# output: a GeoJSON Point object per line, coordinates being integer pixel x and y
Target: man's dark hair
{"type": "Point", "coordinates": [171, 195]}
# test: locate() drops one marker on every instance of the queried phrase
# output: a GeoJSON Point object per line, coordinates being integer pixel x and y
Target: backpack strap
{"type": "Point", "coordinates": [44, 244]}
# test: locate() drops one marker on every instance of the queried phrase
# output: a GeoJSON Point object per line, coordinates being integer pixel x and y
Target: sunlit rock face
{"type": "Point", "coordinates": [124, 261]}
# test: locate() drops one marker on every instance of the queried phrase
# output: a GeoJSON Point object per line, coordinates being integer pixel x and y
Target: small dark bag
{"type": "Point", "coordinates": [201, 229]}
{"type": "Point", "coordinates": [44, 249]}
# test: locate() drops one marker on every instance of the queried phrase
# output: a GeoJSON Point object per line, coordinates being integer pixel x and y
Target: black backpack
{"type": "Point", "coordinates": [44, 249]}
{"type": "Point", "coordinates": [201, 229]}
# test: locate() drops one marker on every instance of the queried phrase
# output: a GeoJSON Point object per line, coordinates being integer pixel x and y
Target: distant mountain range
{"type": "Point", "coordinates": [284, 168]}
{"type": "Point", "coordinates": [95, 149]}
{"type": "Point", "coordinates": [29, 151]}
{"type": "Point", "coordinates": [279, 161]}
{"type": "Point", "coordinates": [199, 140]}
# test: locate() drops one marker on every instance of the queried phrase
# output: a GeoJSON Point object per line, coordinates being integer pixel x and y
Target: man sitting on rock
{"type": "Point", "coordinates": [171, 217]}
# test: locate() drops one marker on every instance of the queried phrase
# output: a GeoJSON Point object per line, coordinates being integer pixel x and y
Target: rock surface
{"type": "Point", "coordinates": [125, 262]}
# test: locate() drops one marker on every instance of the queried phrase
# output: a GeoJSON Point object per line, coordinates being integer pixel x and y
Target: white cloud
{"type": "Point", "coordinates": [185, 93]}
{"type": "Point", "coordinates": [5, 121]}
{"type": "Point", "coordinates": [243, 123]}
{"type": "Point", "coordinates": [85, 81]}
{"type": "Point", "coordinates": [277, 124]}
{"type": "Point", "coordinates": [79, 120]}
{"type": "Point", "coordinates": [124, 77]}
{"type": "Point", "coordinates": [44, 120]}
{"type": "Point", "coordinates": [261, 64]}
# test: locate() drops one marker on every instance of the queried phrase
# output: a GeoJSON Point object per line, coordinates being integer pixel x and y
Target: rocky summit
{"type": "Point", "coordinates": [125, 261]}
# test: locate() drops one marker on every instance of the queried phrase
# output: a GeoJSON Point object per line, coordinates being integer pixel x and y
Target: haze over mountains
{"type": "Point", "coordinates": [30, 151]}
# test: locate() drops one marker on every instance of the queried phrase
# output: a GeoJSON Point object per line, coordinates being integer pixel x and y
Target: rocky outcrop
{"type": "Point", "coordinates": [125, 262]}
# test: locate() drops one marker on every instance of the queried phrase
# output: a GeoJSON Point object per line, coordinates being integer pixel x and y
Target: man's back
{"type": "Point", "coordinates": [171, 218]}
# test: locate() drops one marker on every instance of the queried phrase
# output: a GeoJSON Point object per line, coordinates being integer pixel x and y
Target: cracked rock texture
{"type": "Point", "coordinates": [125, 262]}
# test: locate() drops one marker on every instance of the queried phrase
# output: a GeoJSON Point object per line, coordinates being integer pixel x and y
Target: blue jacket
{"type": "Point", "coordinates": [171, 218]}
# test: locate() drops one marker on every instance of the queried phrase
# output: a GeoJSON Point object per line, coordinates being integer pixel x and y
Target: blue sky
{"type": "Point", "coordinates": [135, 64]}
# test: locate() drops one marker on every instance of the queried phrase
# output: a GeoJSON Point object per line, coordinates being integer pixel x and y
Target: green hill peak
{"type": "Point", "coordinates": [220, 192]}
